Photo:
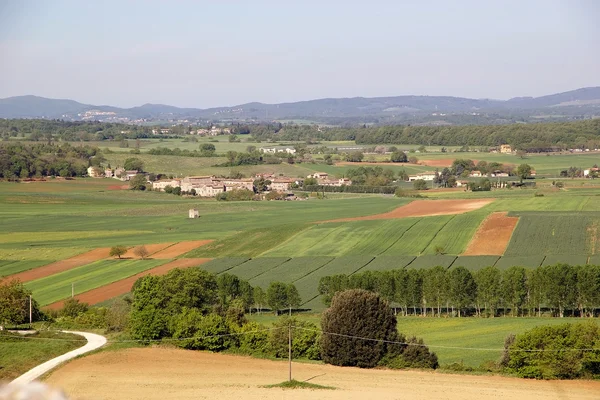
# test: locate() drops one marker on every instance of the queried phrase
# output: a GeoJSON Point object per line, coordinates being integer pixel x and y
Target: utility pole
{"type": "Point", "coordinates": [290, 350]}
{"type": "Point", "coordinates": [30, 311]}
{"type": "Point", "coordinates": [72, 289]}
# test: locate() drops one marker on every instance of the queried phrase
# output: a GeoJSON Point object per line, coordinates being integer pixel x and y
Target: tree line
{"type": "Point", "coordinates": [560, 289]}
{"type": "Point", "coordinates": [21, 161]}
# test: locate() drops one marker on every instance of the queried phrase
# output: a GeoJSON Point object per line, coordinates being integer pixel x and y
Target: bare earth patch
{"type": "Point", "coordinates": [152, 249]}
{"type": "Point", "coordinates": [443, 162]}
{"type": "Point", "coordinates": [123, 286]}
{"type": "Point", "coordinates": [180, 248]}
{"type": "Point", "coordinates": [160, 373]}
{"type": "Point", "coordinates": [118, 187]}
{"type": "Point", "coordinates": [64, 265]}
{"type": "Point", "coordinates": [493, 235]}
{"type": "Point", "coordinates": [425, 208]}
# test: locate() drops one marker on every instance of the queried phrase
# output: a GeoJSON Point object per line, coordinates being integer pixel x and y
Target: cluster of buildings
{"type": "Point", "coordinates": [430, 175]}
{"type": "Point", "coordinates": [210, 186]}
{"type": "Point", "coordinates": [213, 131]}
{"type": "Point", "coordinates": [275, 150]}
{"type": "Point", "coordinates": [324, 180]}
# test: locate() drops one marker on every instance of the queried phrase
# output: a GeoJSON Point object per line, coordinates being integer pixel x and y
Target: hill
{"type": "Point", "coordinates": [431, 110]}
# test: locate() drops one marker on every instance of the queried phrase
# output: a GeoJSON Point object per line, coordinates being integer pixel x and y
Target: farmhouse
{"type": "Point", "coordinates": [506, 149]}
{"type": "Point", "coordinates": [162, 184]}
{"type": "Point", "coordinates": [193, 213]}
{"type": "Point", "coordinates": [108, 173]}
{"type": "Point", "coordinates": [281, 184]}
{"type": "Point", "coordinates": [475, 174]}
{"type": "Point", "coordinates": [499, 174]}
{"type": "Point", "coordinates": [426, 176]}
{"type": "Point", "coordinates": [94, 172]}
{"type": "Point", "coordinates": [129, 174]}
{"type": "Point", "coordinates": [319, 175]}
{"type": "Point", "coordinates": [274, 150]}
{"type": "Point", "coordinates": [335, 182]}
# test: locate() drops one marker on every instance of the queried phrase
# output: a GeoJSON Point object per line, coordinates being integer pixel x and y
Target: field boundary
{"type": "Point", "coordinates": [493, 235]}
{"type": "Point", "coordinates": [401, 236]}
{"type": "Point", "coordinates": [437, 233]}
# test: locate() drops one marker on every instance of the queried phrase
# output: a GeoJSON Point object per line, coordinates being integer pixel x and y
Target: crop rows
{"type": "Point", "coordinates": [9, 267]}
{"type": "Point", "coordinates": [429, 261]}
{"type": "Point", "coordinates": [58, 286]}
{"type": "Point", "coordinates": [454, 237]}
{"type": "Point", "coordinates": [475, 263]}
{"type": "Point", "coordinates": [256, 266]}
{"type": "Point", "coordinates": [549, 233]}
{"type": "Point", "coordinates": [308, 285]}
{"type": "Point", "coordinates": [506, 262]}
{"type": "Point", "coordinates": [388, 263]}
{"type": "Point", "coordinates": [571, 259]}
{"type": "Point", "coordinates": [220, 265]}
{"type": "Point", "coordinates": [291, 270]}
{"type": "Point", "coordinates": [416, 239]}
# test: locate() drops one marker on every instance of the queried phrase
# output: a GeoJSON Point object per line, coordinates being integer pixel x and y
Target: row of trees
{"type": "Point", "coordinates": [562, 289]}
{"type": "Point", "coordinates": [21, 161]}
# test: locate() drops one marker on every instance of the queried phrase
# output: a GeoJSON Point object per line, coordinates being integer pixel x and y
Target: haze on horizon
{"type": "Point", "coordinates": [222, 53]}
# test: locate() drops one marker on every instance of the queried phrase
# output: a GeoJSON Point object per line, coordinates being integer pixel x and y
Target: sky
{"type": "Point", "coordinates": [223, 53]}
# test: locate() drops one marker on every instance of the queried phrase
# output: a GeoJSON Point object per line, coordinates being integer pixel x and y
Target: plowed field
{"type": "Point", "coordinates": [115, 289]}
{"type": "Point", "coordinates": [64, 265]}
{"type": "Point", "coordinates": [160, 373]}
{"type": "Point", "coordinates": [180, 248]}
{"type": "Point", "coordinates": [425, 208]}
{"type": "Point", "coordinates": [152, 249]}
{"type": "Point", "coordinates": [493, 236]}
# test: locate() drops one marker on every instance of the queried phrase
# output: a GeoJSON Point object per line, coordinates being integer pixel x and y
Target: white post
{"type": "Point", "coordinates": [290, 350]}
{"type": "Point", "coordinates": [72, 289]}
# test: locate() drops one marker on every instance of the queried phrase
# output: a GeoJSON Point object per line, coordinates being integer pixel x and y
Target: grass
{"type": "Point", "coordinates": [475, 263]}
{"type": "Point", "coordinates": [58, 286]}
{"type": "Point", "coordinates": [294, 384]}
{"type": "Point", "coordinates": [18, 354]}
{"type": "Point", "coordinates": [256, 267]}
{"type": "Point", "coordinates": [220, 265]}
{"type": "Point", "coordinates": [291, 270]}
{"type": "Point", "coordinates": [472, 341]}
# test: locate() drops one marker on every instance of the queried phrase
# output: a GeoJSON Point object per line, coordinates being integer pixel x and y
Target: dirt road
{"type": "Point", "coordinates": [158, 373]}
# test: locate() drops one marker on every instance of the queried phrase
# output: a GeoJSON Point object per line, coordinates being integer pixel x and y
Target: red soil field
{"type": "Point", "coordinates": [424, 208]}
{"type": "Point", "coordinates": [60, 266]}
{"type": "Point", "coordinates": [156, 373]}
{"type": "Point", "coordinates": [118, 187]}
{"type": "Point", "coordinates": [180, 248]}
{"type": "Point", "coordinates": [152, 249]}
{"type": "Point", "coordinates": [493, 236]}
{"type": "Point", "coordinates": [443, 162]}
{"type": "Point", "coordinates": [123, 286]}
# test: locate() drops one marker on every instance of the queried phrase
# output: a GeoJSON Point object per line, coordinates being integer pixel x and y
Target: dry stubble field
{"type": "Point", "coordinates": [160, 373]}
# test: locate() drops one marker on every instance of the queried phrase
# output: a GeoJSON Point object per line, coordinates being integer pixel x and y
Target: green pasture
{"type": "Point", "coordinates": [58, 286]}
{"type": "Point", "coordinates": [221, 265]}
{"type": "Point", "coordinates": [9, 267]}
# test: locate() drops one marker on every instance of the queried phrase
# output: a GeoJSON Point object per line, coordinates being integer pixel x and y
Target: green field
{"type": "Point", "coordinates": [58, 286]}
{"type": "Point", "coordinates": [19, 354]}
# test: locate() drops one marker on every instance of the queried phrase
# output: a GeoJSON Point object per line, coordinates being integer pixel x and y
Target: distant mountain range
{"type": "Point", "coordinates": [576, 104]}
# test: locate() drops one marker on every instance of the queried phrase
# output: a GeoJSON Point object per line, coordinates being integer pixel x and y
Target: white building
{"type": "Point", "coordinates": [426, 176]}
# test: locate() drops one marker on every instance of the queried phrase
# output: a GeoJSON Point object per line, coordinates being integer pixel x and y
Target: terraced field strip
{"type": "Point", "coordinates": [387, 263]}
{"type": "Point", "coordinates": [220, 265]}
{"type": "Point", "coordinates": [180, 248]}
{"type": "Point", "coordinates": [344, 238]}
{"type": "Point", "coordinates": [118, 288]}
{"type": "Point", "coordinates": [152, 249]}
{"type": "Point", "coordinates": [256, 267]}
{"type": "Point", "coordinates": [58, 286]}
{"type": "Point", "coordinates": [506, 262]}
{"type": "Point", "coordinates": [290, 271]}
{"type": "Point", "coordinates": [12, 267]}
{"type": "Point", "coordinates": [454, 237]}
{"type": "Point", "coordinates": [570, 259]}
{"type": "Point", "coordinates": [309, 284]}
{"type": "Point", "coordinates": [425, 208]}
{"type": "Point", "coordinates": [425, 262]}
{"type": "Point", "coordinates": [64, 265]}
{"type": "Point", "coordinates": [549, 233]}
{"type": "Point", "coordinates": [493, 235]}
{"type": "Point", "coordinates": [416, 239]}
{"type": "Point", "coordinates": [475, 263]}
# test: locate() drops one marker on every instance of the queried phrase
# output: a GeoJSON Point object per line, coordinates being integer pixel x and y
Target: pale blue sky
{"type": "Point", "coordinates": [217, 53]}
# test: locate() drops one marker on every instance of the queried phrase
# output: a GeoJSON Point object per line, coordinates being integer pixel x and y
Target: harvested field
{"type": "Point", "coordinates": [152, 250]}
{"type": "Point", "coordinates": [425, 208]}
{"type": "Point", "coordinates": [493, 236]}
{"type": "Point", "coordinates": [64, 265]}
{"type": "Point", "coordinates": [118, 187]}
{"type": "Point", "coordinates": [123, 286]}
{"type": "Point", "coordinates": [159, 373]}
{"type": "Point", "coordinates": [179, 248]}
{"type": "Point", "coordinates": [443, 162]}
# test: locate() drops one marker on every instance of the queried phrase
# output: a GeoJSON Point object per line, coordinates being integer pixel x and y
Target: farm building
{"type": "Point", "coordinates": [193, 213]}
{"type": "Point", "coordinates": [94, 172]}
{"type": "Point", "coordinates": [506, 149]}
{"type": "Point", "coordinates": [426, 176]}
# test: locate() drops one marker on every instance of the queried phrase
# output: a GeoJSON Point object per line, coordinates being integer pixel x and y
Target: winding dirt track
{"type": "Point", "coordinates": [424, 208]}
{"type": "Point", "coordinates": [159, 373]}
{"type": "Point", "coordinates": [123, 286]}
{"type": "Point", "coordinates": [493, 235]}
